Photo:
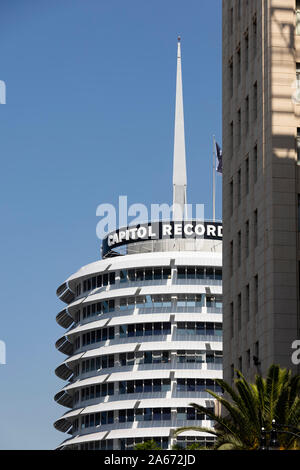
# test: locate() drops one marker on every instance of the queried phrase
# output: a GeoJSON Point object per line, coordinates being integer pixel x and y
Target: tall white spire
{"type": "Point", "coordinates": [179, 163]}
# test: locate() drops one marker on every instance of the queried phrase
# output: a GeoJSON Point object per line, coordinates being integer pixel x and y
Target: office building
{"type": "Point", "coordinates": [261, 184]}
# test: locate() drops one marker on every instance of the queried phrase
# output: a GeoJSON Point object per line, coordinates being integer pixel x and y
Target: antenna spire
{"type": "Point", "coordinates": [179, 162]}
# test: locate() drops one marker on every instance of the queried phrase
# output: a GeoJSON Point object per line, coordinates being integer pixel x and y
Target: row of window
{"type": "Point", "coordinates": [143, 414]}
{"type": "Point", "coordinates": [96, 336]}
{"type": "Point", "coordinates": [145, 329]}
{"type": "Point", "coordinates": [191, 272]}
{"type": "Point", "coordinates": [184, 442]}
{"type": "Point", "coordinates": [199, 357]}
{"type": "Point", "coordinates": [148, 329]}
{"type": "Point", "coordinates": [242, 120]}
{"type": "Point", "coordinates": [187, 301]}
{"type": "Point", "coordinates": [239, 244]}
{"type": "Point", "coordinates": [144, 386]}
{"type": "Point", "coordinates": [98, 308]}
{"type": "Point", "coordinates": [147, 357]}
{"type": "Point", "coordinates": [197, 385]}
{"type": "Point", "coordinates": [241, 307]}
{"type": "Point", "coordinates": [200, 328]}
{"type": "Point", "coordinates": [195, 272]}
{"type": "Point", "coordinates": [132, 386]}
{"type": "Point", "coordinates": [98, 281]}
{"type": "Point", "coordinates": [140, 329]}
{"type": "Point", "coordinates": [235, 185]}
{"type": "Point", "coordinates": [94, 391]}
{"type": "Point", "coordinates": [130, 443]}
{"type": "Point", "coordinates": [241, 56]}
{"type": "Point", "coordinates": [106, 444]}
{"type": "Point", "coordinates": [247, 358]}
{"type": "Point", "coordinates": [96, 363]}
{"type": "Point", "coordinates": [235, 127]}
{"type": "Point", "coordinates": [146, 274]}
{"type": "Point", "coordinates": [235, 15]}
{"type": "Point", "coordinates": [162, 442]}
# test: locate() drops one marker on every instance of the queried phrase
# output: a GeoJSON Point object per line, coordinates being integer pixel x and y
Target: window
{"type": "Point", "coordinates": [239, 248]}
{"type": "Point", "coordinates": [247, 239]}
{"type": "Point", "coordinates": [247, 175]}
{"type": "Point", "coordinates": [248, 358]}
{"type": "Point", "coordinates": [231, 77]}
{"type": "Point", "coordinates": [298, 17]}
{"type": "Point", "coordinates": [238, 66]}
{"type": "Point", "coordinates": [230, 23]}
{"type": "Point", "coordinates": [239, 184]}
{"type": "Point", "coordinates": [239, 127]}
{"type": "Point", "coordinates": [181, 273]}
{"type": "Point", "coordinates": [254, 29]}
{"type": "Point", "coordinates": [255, 163]}
{"type": "Point", "coordinates": [255, 228]}
{"type": "Point", "coordinates": [298, 212]}
{"type": "Point", "coordinates": [148, 274]}
{"type": "Point", "coordinates": [255, 294]}
{"type": "Point", "coordinates": [240, 364]}
{"type": "Point", "coordinates": [247, 114]}
{"type": "Point", "coordinates": [231, 197]}
{"type": "Point", "coordinates": [255, 100]}
{"type": "Point", "coordinates": [239, 9]}
{"type": "Point", "coordinates": [231, 139]}
{"type": "Point", "coordinates": [298, 145]}
{"type": "Point", "coordinates": [231, 257]}
{"type": "Point", "coordinates": [239, 305]}
{"type": "Point", "coordinates": [123, 275]}
{"type": "Point", "coordinates": [247, 302]}
{"type": "Point", "coordinates": [246, 51]}
{"type": "Point", "coordinates": [231, 320]}
{"type": "Point", "coordinates": [256, 352]}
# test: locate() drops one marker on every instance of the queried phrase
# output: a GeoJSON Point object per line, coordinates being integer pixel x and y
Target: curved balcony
{"type": "Point", "coordinates": [65, 294]}
{"type": "Point", "coordinates": [64, 398]}
{"type": "Point", "coordinates": [63, 425]}
{"type": "Point", "coordinates": [64, 319]}
{"type": "Point", "coordinates": [64, 346]}
{"type": "Point", "coordinates": [63, 372]}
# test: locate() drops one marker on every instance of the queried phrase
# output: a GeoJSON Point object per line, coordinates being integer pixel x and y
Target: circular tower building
{"type": "Point", "coordinates": [143, 330]}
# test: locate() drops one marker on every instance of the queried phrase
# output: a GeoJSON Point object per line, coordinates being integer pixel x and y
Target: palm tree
{"type": "Point", "coordinates": [253, 406]}
{"type": "Point", "coordinates": [147, 445]}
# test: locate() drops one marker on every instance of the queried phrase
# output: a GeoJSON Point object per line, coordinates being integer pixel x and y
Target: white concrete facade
{"type": "Point", "coordinates": [161, 348]}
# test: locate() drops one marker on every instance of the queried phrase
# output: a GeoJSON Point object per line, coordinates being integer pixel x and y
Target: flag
{"type": "Point", "coordinates": [220, 160]}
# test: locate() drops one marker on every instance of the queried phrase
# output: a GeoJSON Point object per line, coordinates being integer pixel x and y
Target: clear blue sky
{"type": "Point", "coordinates": [89, 117]}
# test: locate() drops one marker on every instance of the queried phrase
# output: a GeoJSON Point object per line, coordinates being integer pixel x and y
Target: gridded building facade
{"type": "Point", "coordinates": [143, 340]}
{"type": "Point", "coordinates": [261, 185]}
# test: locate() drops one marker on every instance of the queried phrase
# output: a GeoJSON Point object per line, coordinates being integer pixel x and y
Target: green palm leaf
{"type": "Point", "coordinates": [247, 407]}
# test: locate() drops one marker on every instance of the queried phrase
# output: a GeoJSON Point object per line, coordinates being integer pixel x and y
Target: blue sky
{"type": "Point", "coordinates": [89, 116]}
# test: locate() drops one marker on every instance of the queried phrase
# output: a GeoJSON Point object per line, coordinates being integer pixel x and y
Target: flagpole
{"type": "Point", "coordinates": [214, 179]}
